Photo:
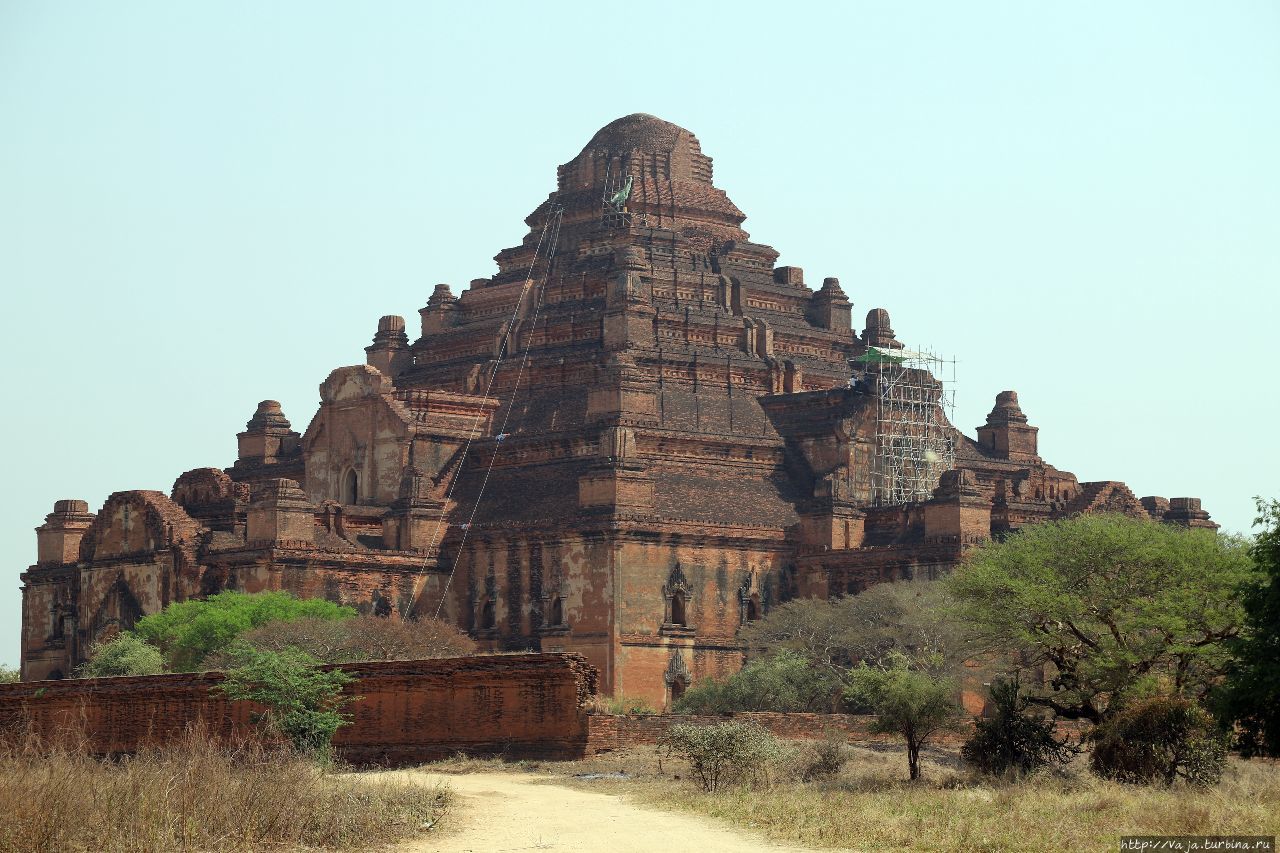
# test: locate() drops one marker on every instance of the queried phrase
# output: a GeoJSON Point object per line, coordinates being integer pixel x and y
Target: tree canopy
{"type": "Point", "coordinates": [1111, 607]}
{"type": "Point", "coordinates": [188, 632]}
{"type": "Point", "coordinates": [362, 638]}
{"type": "Point", "coordinates": [800, 655]}
{"type": "Point", "coordinates": [1252, 693]}
{"type": "Point", "coordinates": [909, 617]}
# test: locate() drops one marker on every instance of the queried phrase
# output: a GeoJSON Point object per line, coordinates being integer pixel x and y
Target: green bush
{"type": "Point", "coordinates": [785, 681]}
{"type": "Point", "coordinates": [8, 675]}
{"type": "Point", "coordinates": [127, 654]}
{"type": "Point", "coordinates": [1160, 739]}
{"type": "Point", "coordinates": [1013, 741]}
{"type": "Point", "coordinates": [190, 631]}
{"type": "Point", "coordinates": [724, 753]}
{"type": "Point", "coordinates": [304, 703]}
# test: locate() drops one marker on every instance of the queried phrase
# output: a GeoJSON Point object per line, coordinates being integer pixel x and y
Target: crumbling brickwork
{"type": "Point", "coordinates": [626, 449]}
{"type": "Point", "coordinates": [530, 705]}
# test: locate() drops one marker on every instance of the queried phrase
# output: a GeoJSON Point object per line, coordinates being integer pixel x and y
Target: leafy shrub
{"type": "Point", "coordinates": [724, 753]}
{"type": "Point", "coordinates": [127, 654]}
{"type": "Point", "coordinates": [1160, 739]}
{"type": "Point", "coordinates": [907, 702]}
{"type": "Point", "coordinates": [304, 703]}
{"type": "Point", "coordinates": [187, 632]}
{"type": "Point", "coordinates": [1013, 741]}
{"type": "Point", "coordinates": [362, 638]}
{"type": "Point", "coordinates": [785, 681]}
{"type": "Point", "coordinates": [9, 674]}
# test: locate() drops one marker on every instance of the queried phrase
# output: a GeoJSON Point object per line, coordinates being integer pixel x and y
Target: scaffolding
{"type": "Point", "coordinates": [617, 191]}
{"type": "Point", "coordinates": [914, 438]}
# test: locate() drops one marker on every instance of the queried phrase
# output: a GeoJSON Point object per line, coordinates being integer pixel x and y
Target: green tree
{"type": "Point", "coordinates": [1110, 607]}
{"type": "Point", "coordinates": [187, 632]}
{"type": "Point", "coordinates": [127, 654]}
{"type": "Point", "coordinates": [303, 702]}
{"type": "Point", "coordinates": [786, 681]}
{"type": "Point", "coordinates": [906, 700]}
{"type": "Point", "coordinates": [908, 617]}
{"type": "Point", "coordinates": [1251, 699]}
{"type": "Point", "coordinates": [9, 674]}
{"type": "Point", "coordinates": [1013, 740]}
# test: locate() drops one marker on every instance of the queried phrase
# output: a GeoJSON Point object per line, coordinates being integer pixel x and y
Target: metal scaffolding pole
{"type": "Point", "coordinates": [915, 441]}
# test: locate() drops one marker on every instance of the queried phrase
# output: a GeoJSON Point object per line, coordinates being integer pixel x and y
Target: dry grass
{"type": "Point", "coordinates": [464, 763]}
{"type": "Point", "coordinates": [197, 795]}
{"type": "Point", "coordinates": [871, 805]}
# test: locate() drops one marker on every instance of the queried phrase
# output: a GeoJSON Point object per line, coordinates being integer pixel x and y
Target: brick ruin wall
{"type": "Point", "coordinates": [529, 705]}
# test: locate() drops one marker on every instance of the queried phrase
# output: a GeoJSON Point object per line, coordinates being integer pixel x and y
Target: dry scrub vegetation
{"type": "Point", "coordinates": [870, 805]}
{"type": "Point", "coordinates": [197, 795]}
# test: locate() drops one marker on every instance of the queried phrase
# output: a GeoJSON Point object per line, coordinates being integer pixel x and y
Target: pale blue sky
{"type": "Point", "coordinates": [207, 204]}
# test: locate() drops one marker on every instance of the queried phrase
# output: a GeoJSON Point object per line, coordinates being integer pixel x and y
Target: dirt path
{"type": "Point", "coordinates": [498, 812]}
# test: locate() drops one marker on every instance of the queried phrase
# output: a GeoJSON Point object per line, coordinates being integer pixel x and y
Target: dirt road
{"type": "Point", "coordinates": [498, 812]}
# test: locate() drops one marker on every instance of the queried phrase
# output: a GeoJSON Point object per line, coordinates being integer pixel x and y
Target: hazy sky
{"type": "Point", "coordinates": [203, 205]}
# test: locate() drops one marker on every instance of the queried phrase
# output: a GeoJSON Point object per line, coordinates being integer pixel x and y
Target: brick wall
{"type": "Point", "coordinates": [411, 711]}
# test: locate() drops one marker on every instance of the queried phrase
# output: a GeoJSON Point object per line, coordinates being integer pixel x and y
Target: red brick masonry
{"type": "Point", "coordinates": [529, 705]}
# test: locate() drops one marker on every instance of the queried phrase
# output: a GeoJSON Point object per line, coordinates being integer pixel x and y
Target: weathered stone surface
{"type": "Point", "coordinates": [530, 705]}
{"type": "Point", "coordinates": [626, 451]}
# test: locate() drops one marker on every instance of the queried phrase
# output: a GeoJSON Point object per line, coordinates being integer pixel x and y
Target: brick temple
{"type": "Point", "coordinates": [635, 437]}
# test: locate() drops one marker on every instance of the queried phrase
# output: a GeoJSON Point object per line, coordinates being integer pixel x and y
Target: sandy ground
{"type": "Point", "coordinates": [497, 812]}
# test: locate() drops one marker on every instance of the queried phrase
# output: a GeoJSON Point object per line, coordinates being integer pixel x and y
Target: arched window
{"type": "Point", "coordinates": [678, 610]}
{"type": "Point", "coordinates": [677, 594]}
{"type": "Point", "coordinates": [753, 609]}
{"type": "Point", "coordinates": [350, 487]}
{"type": "Point", "coordinates": [556, 615]}
{"type": "Point", "coordinates": [677, 678]}
{"type": "Point", "coordinates": [488, 616]}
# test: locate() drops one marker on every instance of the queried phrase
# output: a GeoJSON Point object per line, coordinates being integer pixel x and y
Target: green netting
{"type": "Point", "coordinates": [877, 356]}
{"type": "Point", "coordinates": [620, 197]}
